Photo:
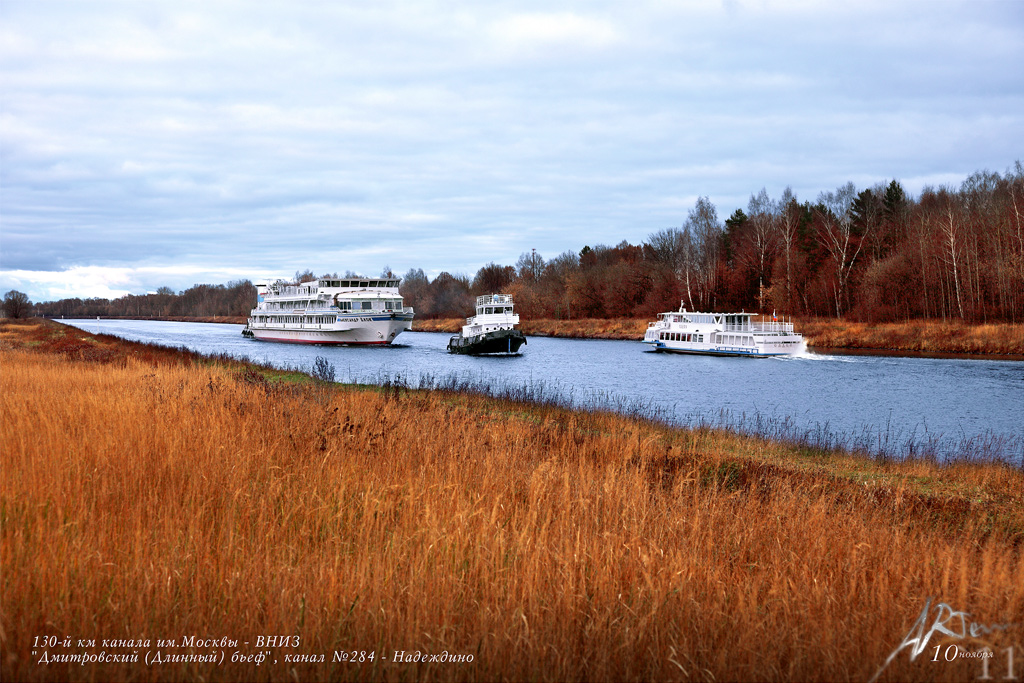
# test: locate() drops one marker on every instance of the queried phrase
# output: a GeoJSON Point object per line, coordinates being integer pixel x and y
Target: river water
{"type": "Point", "coordinates": [882, 404]}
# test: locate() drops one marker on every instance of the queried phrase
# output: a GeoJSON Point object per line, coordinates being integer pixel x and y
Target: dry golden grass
{"type": "Point", "coordinates": [926, 336]}
{"type": "Point", "coordinates": [144, 499]}
{"type": "Point", "coordinates": [451, 325]}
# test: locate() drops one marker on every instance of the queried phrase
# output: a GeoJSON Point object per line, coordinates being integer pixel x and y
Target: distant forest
{"type": "Point", "coordinates": [234, 298]}
{"type": "Point", "coordinates": [874, 255]}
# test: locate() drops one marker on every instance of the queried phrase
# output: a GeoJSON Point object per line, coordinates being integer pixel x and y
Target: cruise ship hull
{"type": "Point", "coordinates": [374, 332]}
{"type": "Point", "coordinates": [785, 348]}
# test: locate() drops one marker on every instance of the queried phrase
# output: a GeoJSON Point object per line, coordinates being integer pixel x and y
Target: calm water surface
{"type": "Point", "coordinates": [876, 402]}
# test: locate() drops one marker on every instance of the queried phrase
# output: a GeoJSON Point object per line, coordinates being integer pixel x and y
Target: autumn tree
{"type": "Point", "coordinates": [413, 288]}
{"type": "Point", "coordinates": [493, 279]}
{"type": "Point", "coordinates": [558, 274]}
{"type": "Point", "coordinates": [449, 297]}
{"type": "Point", "coordinates": [17, 304]}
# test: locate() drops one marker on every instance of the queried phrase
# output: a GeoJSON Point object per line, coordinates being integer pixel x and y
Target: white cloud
{"type": "Point", "coordinates": [539, 34]}
{"type": "Point", "coordinates": [110, 282]}
{"type": "Point", "coordinates": [242, 138]}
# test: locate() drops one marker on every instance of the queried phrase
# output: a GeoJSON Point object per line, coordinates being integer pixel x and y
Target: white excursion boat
{"type": "Point", "coordinates": [348, 311]}
{"type": "Point", "coordinates": [491, 330]}
{"type": "Point", "coordinates": [722, 334]}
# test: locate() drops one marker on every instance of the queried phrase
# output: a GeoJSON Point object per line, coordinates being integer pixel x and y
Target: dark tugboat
{"type": "Point", "coordinates": [491, 330]}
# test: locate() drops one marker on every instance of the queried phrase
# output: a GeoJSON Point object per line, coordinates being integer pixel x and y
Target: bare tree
{"type": "Point", "coordinates": [669, 247]}
{"type": "Point", "coordinates": [951, 226]}
{"type": "Point", "coordinates": [786, 226]}
{"type": "Point", "coordinates": [530, 266]}
{"type": "Point", "coordinates": [836, 219]}
{"type": "Point", "coordinates": [702, 222]}
{"type": "Point", "coordinates": [763, 214]}
{"type": "Point", "coordinates": [673, 248]}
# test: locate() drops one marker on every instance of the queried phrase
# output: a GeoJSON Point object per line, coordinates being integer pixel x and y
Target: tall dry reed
{"type": "Point", "coordinates": [162, 501]}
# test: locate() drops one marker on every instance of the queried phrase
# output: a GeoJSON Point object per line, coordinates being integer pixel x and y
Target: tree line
{"type": "Point", "coordinates": [236, 298]}
{"type": "Point", "coordinates": [875, 254]}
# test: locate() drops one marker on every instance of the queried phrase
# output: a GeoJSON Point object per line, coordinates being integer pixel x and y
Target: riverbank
{"type": "Point", "coordinates": [153, 494]}
{"type": "Point", "coordinates": [224, 319]}
{"type": "Point", "coordinates": [917, 337]}
{"type": "Point", "coordinates": [927, 337]}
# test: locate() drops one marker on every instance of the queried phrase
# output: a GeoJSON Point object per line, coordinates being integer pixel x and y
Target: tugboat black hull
{"type": "Point", "coordinates": [499, 341]}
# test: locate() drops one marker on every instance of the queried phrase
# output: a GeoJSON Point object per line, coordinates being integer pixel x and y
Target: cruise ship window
{"type": "Point", "coordinates": [367, 305]}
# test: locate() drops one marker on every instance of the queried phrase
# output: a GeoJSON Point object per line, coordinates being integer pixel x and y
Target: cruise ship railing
{"type": "Point", "coordinates": [759, 327]}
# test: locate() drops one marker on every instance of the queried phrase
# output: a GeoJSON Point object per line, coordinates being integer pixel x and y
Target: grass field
{"type": "Point", "coordinates": [148, 494]}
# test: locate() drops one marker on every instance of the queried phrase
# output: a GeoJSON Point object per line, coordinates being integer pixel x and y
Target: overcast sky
{"type": "Point", "coordinates": [174, 143]}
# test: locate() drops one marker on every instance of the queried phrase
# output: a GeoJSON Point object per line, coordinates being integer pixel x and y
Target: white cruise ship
{"type": "Point", "coordinates": [348, 311]}
{"type": "Point", "coordinates": [722, 334]}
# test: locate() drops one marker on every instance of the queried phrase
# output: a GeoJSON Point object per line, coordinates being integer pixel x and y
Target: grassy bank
{"type": "Point", "coordinates": [150, 494]}
{"type": "Point", "coordinates": [228, 319]}
{"type": "Point", "coordinates": [922, 336]}
{"type": "Point", "coordinates": [916, 336]}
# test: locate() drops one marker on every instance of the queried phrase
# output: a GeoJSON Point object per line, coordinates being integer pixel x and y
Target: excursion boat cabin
{"type": "Point", "coordinates": [727, 334]}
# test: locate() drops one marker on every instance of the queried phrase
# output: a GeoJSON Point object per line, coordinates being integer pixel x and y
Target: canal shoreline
{"type": "Point", "coordinates": [923, 338]}
{"type": "Point", "coordinates": [916, 338]}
